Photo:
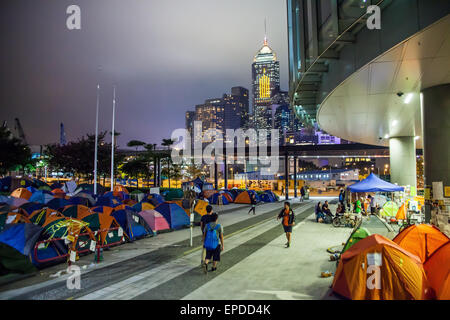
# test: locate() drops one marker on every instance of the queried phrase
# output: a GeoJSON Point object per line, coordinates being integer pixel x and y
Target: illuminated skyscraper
{"type": "Point", "coordinates": [266, 83]}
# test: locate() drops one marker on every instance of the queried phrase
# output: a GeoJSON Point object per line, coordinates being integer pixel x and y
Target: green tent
{"type": "Point", "coordinates": [173, 194]}
{"type": "Point", "coordinates": [47, 188]}
{"type": "Point", "coordinates": [357, 235]}
{"type": "Point", "coordinates": [12, 260]}
{"type": "Point", "coordinates": [390, 209]}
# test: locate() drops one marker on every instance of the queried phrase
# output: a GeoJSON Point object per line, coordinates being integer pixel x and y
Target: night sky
{"type": "Point", "coordinates": [165, 56]}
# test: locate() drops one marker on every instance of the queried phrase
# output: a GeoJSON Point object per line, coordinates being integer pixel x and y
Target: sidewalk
{"type": "Point", "coordinates": [127, 251]}
{"type": "Point", "coordinates": [274, 272]}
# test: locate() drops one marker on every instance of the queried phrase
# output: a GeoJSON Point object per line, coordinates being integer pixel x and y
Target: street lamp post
{"type": "Point", "coordinates": [96, 140]}
{"type": "Point", "coordinates": [112, 138]}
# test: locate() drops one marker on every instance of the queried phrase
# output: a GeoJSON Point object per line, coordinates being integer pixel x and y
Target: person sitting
{"type": "Point", "coordinates": [340, 210]}
{"type": "Point", "coordinates": [328, 216]}
{"type": "Point", "coordinates": [319, 213]}
{"type": "Point", "coordinates": [326, 209]}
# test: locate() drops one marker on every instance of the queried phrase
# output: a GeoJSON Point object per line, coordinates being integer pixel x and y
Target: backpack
{"type": "Point", "coordinates": [211, 238]}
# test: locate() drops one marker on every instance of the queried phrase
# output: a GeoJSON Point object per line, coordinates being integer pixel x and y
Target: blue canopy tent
{"type": "Point", "coordinates": [374, 184]}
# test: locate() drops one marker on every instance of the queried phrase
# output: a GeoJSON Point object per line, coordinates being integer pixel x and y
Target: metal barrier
{"type": "Point", "coordinates": [98, 246]}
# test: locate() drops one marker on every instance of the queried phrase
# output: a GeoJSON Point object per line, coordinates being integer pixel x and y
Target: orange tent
{"type": "Point", "coordinates": [401, 213]}
{"type": "Point", "coordinates": [376, 268]}
{"type": "Point", "coordinates": [243, 197]}
{"type": "Point", "coordinates": [209, 193]}
{"type": "Point", "coordinates": [58, 193]}
{"type": "Point", "coordinates": [120, 188]}
{"type": "Point", "coordinates": [421, 240]}
{"type": "Point", "coordinates": [437, 268]}
{"type": "Point", "coordinates": [40, 216]}
{"type": "Point", "coordinates": [22, 193]}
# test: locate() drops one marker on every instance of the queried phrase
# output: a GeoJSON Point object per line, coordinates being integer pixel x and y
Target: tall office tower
{"type": "Point", "coordinates": [240, 96]}
{"type": "Point", "coordinates": [190, 118]}
{"type": "Point", "coordinates": [266, 83]}
{"type": "Point", "coordinates": [212, 115]}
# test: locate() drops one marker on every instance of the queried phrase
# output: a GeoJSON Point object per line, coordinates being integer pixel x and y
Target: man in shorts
{"type": "Point", "coordinates": [207, 218]}
{"type": "Point", "coordinates": [213, 229]}
{"type": "Point", "coordinates": [288, 220]}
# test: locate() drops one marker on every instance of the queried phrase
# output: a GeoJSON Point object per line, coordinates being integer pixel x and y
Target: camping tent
{"type": "Point", "coordinates": [142, 206]}
{"type": "Point", "coordinates": [107, 201]}
{"type": "Point", "coordinates": [58, 203]}
{"type": "Point", "coordinates": [174, 214]}
{"type": "Point", "coordinates": [356, 236]}
{"type": "Point", "coordinates": [155, 220]}
{"type": "Point", "coordinates": [421, 240]}
{"type": "Point", "coordinates": [214, 198]}
{"type": "Point", "coordinates": [376, 268]}
{"type": "Point", "coordinates": [390, 209]}
{"type": "Point", "coordinates": [29, 207]}
{"type": "Point", "coordinates": [41, 196]}
{"type": "Point", "coordinates": [437, 268]}
{"type": "Point", "coordinates": [130, 223]}
{"type": "Point", "coordinates": [22, 193]}
{"type": "Point", "coordinates": [173, 194]}
{"type": "Point", "coordinates": [374, 184]}
{"type": "Point", "coordinates": [245, 197]}
{"type": "Point", "coordinates": [267, 197]}
{"type": "Point", "coordinates": [16, 245]}
{"type": "Point", "coordinates": [76, 211]}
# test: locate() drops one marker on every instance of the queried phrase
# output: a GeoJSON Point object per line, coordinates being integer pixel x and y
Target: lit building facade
{"type": "Point", "coordinates": [266, 83]}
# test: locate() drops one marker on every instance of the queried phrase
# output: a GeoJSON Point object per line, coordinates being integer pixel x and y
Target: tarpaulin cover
{"type": "Point", "coordinates": [374, 184]}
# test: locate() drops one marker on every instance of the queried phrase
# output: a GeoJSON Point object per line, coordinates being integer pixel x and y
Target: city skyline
{"type": "Point", "coordinates": [159, 68]}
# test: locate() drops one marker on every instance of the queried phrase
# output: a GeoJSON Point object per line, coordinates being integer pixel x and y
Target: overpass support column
{"type": "Point", "coordinates": [435, 105]}
{"type": "Point", "coordinates": [402, 152]}
{"type": "Point", "coordinates": [225, 172]}
{"type": "Point", "coordinates": [295, 177]}
{"type": "Point", "coordinates": [286, 175]}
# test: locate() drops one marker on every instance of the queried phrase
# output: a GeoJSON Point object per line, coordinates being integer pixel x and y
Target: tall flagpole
{"type": "Point", "coordinates": [112, 135]}
{"type": "Point", "coordinates": [96, 140]}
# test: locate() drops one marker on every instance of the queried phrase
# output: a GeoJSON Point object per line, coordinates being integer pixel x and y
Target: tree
{"type": "Point", "coordinates": [193, 170]}
{"type": "Point", "coordinates": [77, 157]}
{"type": "Point", "coordinates": [13, 153]}
{"type": "Point", "coordinates": [167, 143]}
{"type": "Point", "coordinates": [135, 168]}
{"type": "Point", "coordinates": [136, 144]}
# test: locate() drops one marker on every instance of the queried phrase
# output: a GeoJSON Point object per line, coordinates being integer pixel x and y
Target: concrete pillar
{"type": "Point", "coordinates": [216, 178]}
{"type": "Point", "coordinates": [225, 172]}
{"type": "Point", "coordinates": [295, 177]}
{"type": "Point", "coordinates": [155, 175]}
{"type": "Point", "coordinates": [436, 136]}
{"type": "Point", "coordinates": [402, 152]}
{"type": "Point", "coordinates": [286, 175]}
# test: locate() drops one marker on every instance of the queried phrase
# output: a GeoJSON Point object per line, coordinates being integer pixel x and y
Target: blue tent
{"type": "Point", "coordinates": [374, 184]}
{"type": "Point", "coordinates": [107, 201]}
{"type": "Point", "coordinates": [40, 196]}
{"type": "Point", "coordinates": [17, 243]}
{"type": "Point", "coordinates": [267, 197]}
{"type": "Point", "coordinates": [214, 199]}
{"type": "Point", "coordinates": [57, 203]}
{"type": "Point", "coordinates": [131, 223]}
{"type": "Point", "coordinates": [174, 214]}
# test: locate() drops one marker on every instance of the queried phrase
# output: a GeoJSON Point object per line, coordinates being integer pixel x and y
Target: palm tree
{"type": "Point", "coordinates": [167, 143]}
{"type": "Point", "coordinates": [136, 144]}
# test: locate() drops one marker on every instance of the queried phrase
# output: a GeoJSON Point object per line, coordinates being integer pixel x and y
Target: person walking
{"type": "Point", "coordinates": [207, 218]}
{"type": "Point", "coordinates": [253, 202]}
{"type": "Point", "coordinates": [211, 237]}
{"type": "Point", "coordinates": [288, 220]}
{"type": "Point", "coordinates": [302, 194]}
